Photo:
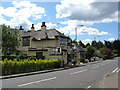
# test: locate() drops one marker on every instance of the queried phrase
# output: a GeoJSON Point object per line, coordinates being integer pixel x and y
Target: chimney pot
{"type": "Point", "coordinates": [33, 27]}
{"type": "Point", "coordinates": [21, 28]}
{"type": "Point", "coordinates": [8, 26]}
{"type": "Point", "coordinates": [43, 24]}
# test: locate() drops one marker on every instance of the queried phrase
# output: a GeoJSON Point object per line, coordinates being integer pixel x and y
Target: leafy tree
{"type": "Point", "coordinates": [116, 45]}
{"type": "Point", "coordinates": [90, 52]}
{"type": "Point", "coordinates": [99, 45]}
{"type": "Point", "coordinates": [81, 44]}
{"type": "Point", "coordinates": [94, 44]}
{"type": "Point", "coordinates": [105, 53]}
{"type": "Point", "coordinates": [88, 44]}
{"type": "Point", "coordinates": [10, 40]}
{"type": "Point", "coordinates": [109, 45]}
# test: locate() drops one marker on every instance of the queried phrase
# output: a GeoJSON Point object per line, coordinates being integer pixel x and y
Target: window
{"type": "Point", "coordinates": [26, 41]}
{"type": "Point", "coordinates": [39, 55]}
{"type": "Point", "coordinates": [63, 40]}
{"type": "Point", "coordinates": [56, 51]}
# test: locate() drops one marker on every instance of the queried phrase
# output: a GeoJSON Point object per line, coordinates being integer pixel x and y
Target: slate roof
{"type": "Point", "coordinates": [50, 33]}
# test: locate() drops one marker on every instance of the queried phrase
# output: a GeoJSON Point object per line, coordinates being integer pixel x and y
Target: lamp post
{"type": "Point", "coordinates": [76, 31]}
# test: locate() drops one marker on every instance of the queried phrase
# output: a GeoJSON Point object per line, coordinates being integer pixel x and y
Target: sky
{"type": "Point", "coordinates": [92, 19]}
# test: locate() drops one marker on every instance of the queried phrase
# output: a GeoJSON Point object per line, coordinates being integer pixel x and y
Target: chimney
{"type": "Point", "coordinates": [43, 24]}
{"type": "Point", "coordinates": [43, 30]}
{"type": "Point", "coordinates": [21, 31]}
{"type": "Point", "coordinates": [8, 26]}
{"type": "Point", "coordinates": [32, 28]}
{"type": "Point", "coordinates": [21, 28]}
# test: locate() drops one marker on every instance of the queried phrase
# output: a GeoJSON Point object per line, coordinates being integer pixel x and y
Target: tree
{"type": "Point", "coordinates": [81, 44]}
{"type": "Point", "coordinates": [116, 45]}
{"type": "Point", "coordinates": [10, 40]}
{"type": "Point", "coordinates": [109, 45]}
{"type": "Point", "coordinates": [105, 53]}
{"type": "Point", "coordinates": [99, 45]}
{"type": "Point", "coordinates": [90, 52]}
{"type": "Point", "coordinates": [88, 44]}
{"type": "Point", "coordinates": [94, 44]}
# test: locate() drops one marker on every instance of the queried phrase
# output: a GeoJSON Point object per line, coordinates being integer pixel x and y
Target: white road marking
{"type": "Point", "coordinates": [118, 70]}
{"type": "Point", "coordinates": [95, 67]}
{"type": "Point", "coordinates": [114, 70]}
{"type": "Point", "coordinates": [78, 72]}
{"type": "Point", "coordinates": [37, 82]}
{"type": "Point", "coordinates": [88, 87]}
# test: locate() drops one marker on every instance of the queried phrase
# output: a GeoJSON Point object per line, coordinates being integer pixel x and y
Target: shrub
{"type": "Point", "coordinates": [23, 66]}
{"type": "Point", "coordinates": [90, 52]}
{"type": "Point", "coordinates": [105, 53]}
{"type": "Point", "coordinates": [82, 60]}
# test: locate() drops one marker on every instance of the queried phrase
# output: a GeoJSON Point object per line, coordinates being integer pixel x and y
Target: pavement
{"type": "Point", "coordinates": [96, 75]}
{"type": "Point", "coordinates": [110, 81]}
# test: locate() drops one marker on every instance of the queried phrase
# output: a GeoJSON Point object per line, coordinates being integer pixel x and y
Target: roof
{"type": "Point", "coordinates": [50, 33]}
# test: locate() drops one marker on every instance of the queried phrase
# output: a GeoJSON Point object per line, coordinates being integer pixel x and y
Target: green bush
{"type": "Point", "coordinates": [114, 55]}
{"type": "Point", "coordinates": [82, 60]}
{"type": "Point", "coordinates": [105, 53]}
{"type": "Point", "coordinates": [104, 56]}
{"type": "Point", "coordinates": [90, 52]}
{"type": "Point", "coordinates": [23, 66]}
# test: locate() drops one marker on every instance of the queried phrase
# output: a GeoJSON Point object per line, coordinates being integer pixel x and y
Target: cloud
{"type": "Point", "coordinates": [88, 10]}
{"type": "Point", "coordinates": [87, 41]}
{"type": "Point", "coordinates": [71, 25]}
{"type": "Point", "coordinates": [87, 13]}
{"type": "Point", "coordinates": [111, 39]}
{"type": "Point", "coordinates": [20, 14]}
{"type": "Point", "coordinates": [49, 25]}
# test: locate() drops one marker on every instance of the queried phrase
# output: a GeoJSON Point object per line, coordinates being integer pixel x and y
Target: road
{"type": "Point", "coordinates": [80, 77]}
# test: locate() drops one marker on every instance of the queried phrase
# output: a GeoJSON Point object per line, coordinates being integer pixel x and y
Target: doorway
{"type": "Point", "coordinates": [39, 55]}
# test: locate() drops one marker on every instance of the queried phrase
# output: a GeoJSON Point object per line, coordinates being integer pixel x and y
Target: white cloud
{"type": "Point", "coordinates": [87, 41]}
{"type": "Point", "coordinates": [111, 39]}
{"type": "Point", "coordinates": [87, 10]}
{"type": "Point", "coordinates": [23, 4]}
{"type": "Point", "coordinates": [72, 24]}
{"type": "Point", "coordinates": [36, 17]}
{"type": "Point", "coordinates": [49, 25]}
{"type": "Point", "coordinates": [87, 13]}
{"type": "Point", "coordinates": [20, 14]}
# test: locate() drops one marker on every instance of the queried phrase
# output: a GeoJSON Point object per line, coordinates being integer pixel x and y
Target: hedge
{"type": "Point", "coordinates": [10, 67]}
{"type": "Point", "coordinates": [12, 57]}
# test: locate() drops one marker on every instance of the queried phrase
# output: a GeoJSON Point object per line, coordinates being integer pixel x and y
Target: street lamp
{"type": "Point", "coordinates": [76, 31]}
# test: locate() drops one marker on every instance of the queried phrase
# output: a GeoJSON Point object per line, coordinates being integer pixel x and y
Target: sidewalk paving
{"type": "Point", "coordinates": [110, 81]}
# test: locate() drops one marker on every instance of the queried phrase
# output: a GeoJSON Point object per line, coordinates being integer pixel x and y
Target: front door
{"type": "Point", "coordinates": [39, 55]}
